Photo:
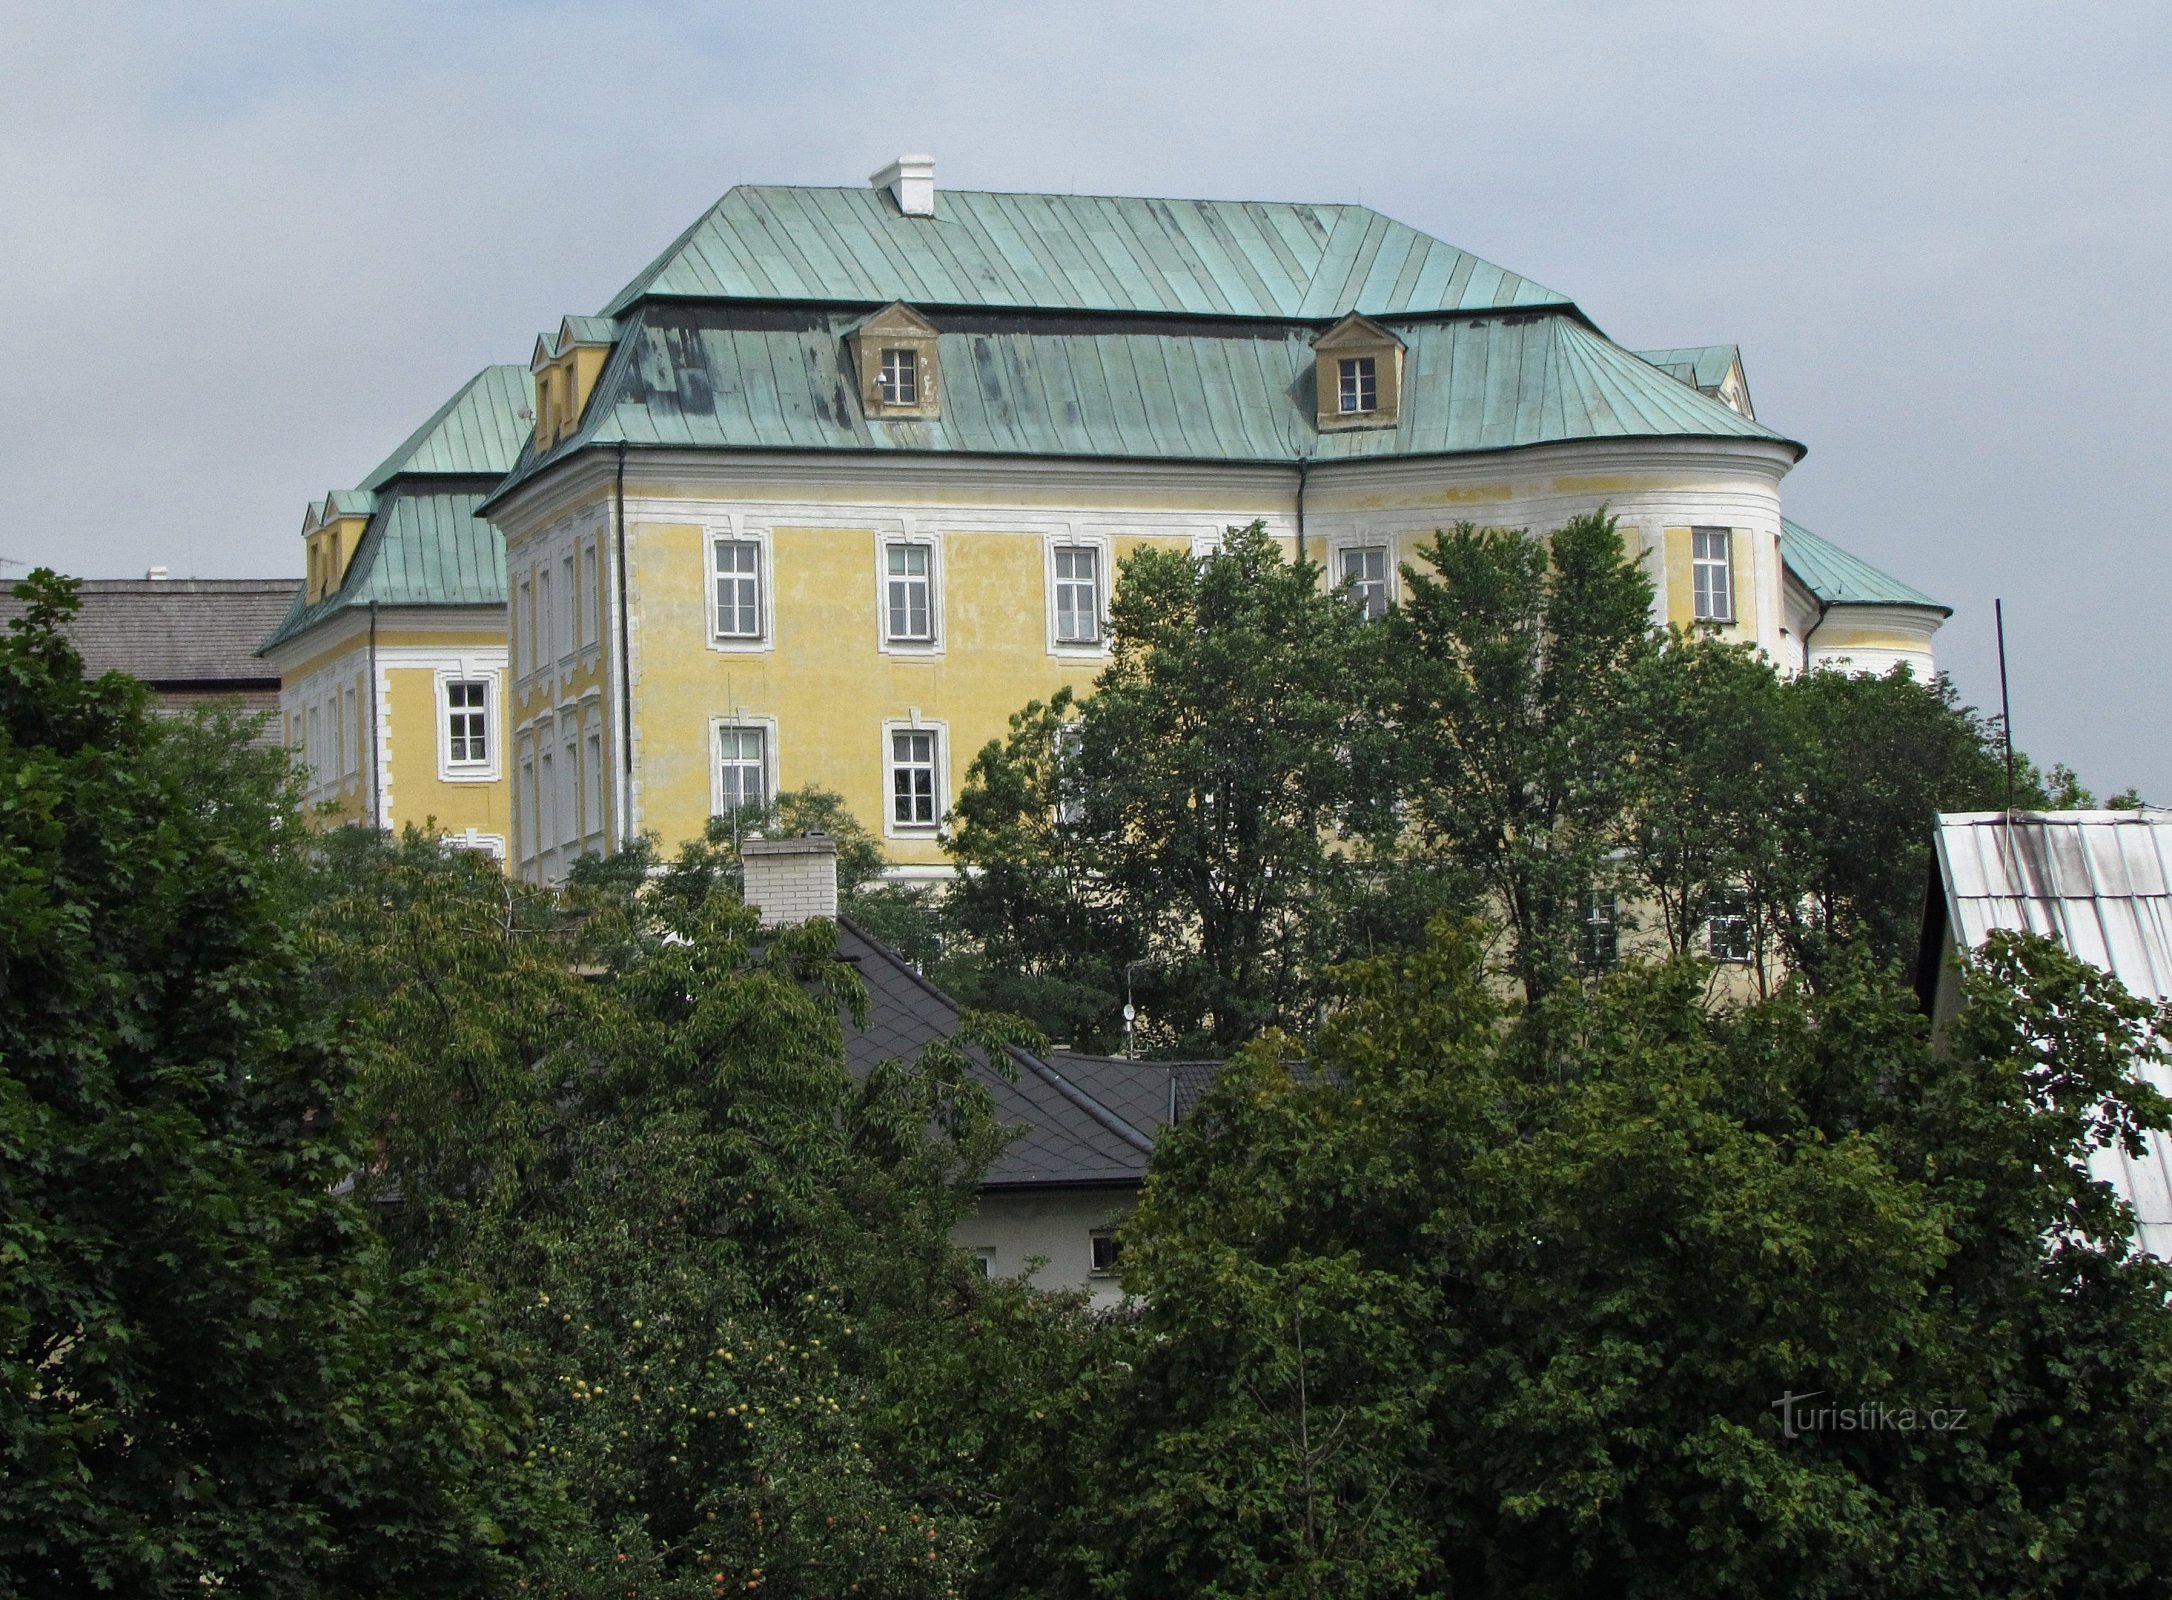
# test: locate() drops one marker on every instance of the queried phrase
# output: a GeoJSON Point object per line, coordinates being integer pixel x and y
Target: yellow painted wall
{"type": "Point", "coordinates": [827, 683]}
{"type": "Point", "coordinates": [418, 794]}
{"type": "Point", "coordinates": [1678, 552]}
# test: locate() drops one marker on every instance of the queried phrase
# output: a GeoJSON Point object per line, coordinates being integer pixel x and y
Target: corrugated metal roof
{"type": "Point", "coordinates": [1840, 579]}
{"type": "Point", "coordinates": [424, 547]}
{"type": "Point", "coordinates": [1701, 366]}
{"type": "Point", "coordinates": [175, 631]}
{"type": "Point", "coordinates": [1072, 253]}
{"type": "Point", "coordinates": [2099, 882]}
{"type": "Point", "coordinates": [735, 377]}
{"type": "Point", "coordinates": [478, 431]}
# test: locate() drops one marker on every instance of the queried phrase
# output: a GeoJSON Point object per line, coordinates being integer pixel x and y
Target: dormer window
{"type": "Point", "coordinates": [1359, 386]}
{"type": "Point", "coordinates": [894, 354]}
{"type": "Point", "coordinates": [900, 380]}
{"type": "Point", "coordinates": [1359, 374]}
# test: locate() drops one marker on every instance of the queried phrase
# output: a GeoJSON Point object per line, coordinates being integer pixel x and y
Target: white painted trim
{"type": "Point", "coordinates": [913, 533]}
{"type": "Point", "coordinates": [732, 527]}
{"type": "Point", "coordinates": [767, 726]}
{"type": "Point", "coordinates": [915, 723]}
{"type": "Point", "coordinates": [1070, 537]}
{"type": "Point", "coordinates": [495, 721]}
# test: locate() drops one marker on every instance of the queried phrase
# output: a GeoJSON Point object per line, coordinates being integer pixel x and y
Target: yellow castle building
{"type": "Point", "coordinates": [843, 477]}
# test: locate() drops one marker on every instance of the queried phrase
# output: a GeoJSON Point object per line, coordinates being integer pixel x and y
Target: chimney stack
{"type": "Point", "coordinates": [911, 182]}
{"type": "Point", "coordinates": [155, 575]}
{"type": "Point", "coordinates": [789, 880]}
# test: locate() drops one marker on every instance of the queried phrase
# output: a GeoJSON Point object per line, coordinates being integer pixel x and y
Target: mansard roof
{"type": "Point", "coordinates": [1840, 579]}
{"type": "Point", "coordinates": [734, 377]}
{"type": "Point", "coordinates": [477, 433]}
{"type": "Point", "coordinates": [1062, 252]}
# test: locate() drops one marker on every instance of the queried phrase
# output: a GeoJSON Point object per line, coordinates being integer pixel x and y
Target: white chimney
{"type": "Point", "coordinates": [789, 880]}
{"type": "Point", "coordinates": [911, 182]}
{"type": "Point", "coordinates": [156, 575]}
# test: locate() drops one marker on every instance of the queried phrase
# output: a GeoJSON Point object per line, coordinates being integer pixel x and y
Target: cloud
{"type": "Point", "coordinates": [250, 245]}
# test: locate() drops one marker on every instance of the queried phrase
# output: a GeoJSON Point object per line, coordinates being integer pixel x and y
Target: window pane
{"type": "Point", "coordinates": [738, 588]}
{"type": "Point", "coordinates": [1359, 388]}
{"type": "Point", "coordinates": [743, 768]}
{"type": "Point", "coordinates": [912, 778]}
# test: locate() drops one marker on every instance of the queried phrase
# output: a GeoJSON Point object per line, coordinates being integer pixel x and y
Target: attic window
{"type": "Point", "coordinates": [1358, 374]}
{"type": "Point", "coordinates": [895, 354]}
{"type": "Point", "coordinates": [1359, 388]}
{"type": "Point", "coordinates": [900, 380]}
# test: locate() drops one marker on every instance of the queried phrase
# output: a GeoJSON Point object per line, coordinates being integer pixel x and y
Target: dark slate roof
{"type": "Point", "coordinates": [1079, 1119]}
{"type": "Point", "coordinates": [1070, 252]}
{"type": "Point", "coordinates": [738, 377]}
{"type": "Point", "coordinates": [423, 547]}
{"type": "Point", "coordinates": [1839, 579]}
{"type": "Point", "coordinates": [177, 632]}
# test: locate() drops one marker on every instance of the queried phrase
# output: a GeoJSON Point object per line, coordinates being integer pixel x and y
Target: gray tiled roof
{"type": "Point", "coordinates": [1078, 1119]}
{"type": "Point", "coordinates": [177, 632]}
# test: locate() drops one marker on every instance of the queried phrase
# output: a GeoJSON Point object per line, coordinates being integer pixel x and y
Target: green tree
{"type": "Point", "coordinates": [626, 1111]}
{"type": "Point", "coordinates": [211, 1374]}
{"type": "Point", "coordinates": [1194, 816]}
{"type": "Point", "coordinates": [1517, 656]}
{"type": "Point", "coordinates": [1487, 1307]}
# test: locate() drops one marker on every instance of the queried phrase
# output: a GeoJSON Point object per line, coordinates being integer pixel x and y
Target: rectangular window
{"type": "Point", "coordinates": [912, 778]}
{"type": "Point", "coordinates": [569, 785]}
{"type": "Point", "coordinates": [1365, 570]}
{"type": "Point", "coordinates": [546, 791]}
{"type": "Point", "coordinates": [1727, 932]}
{"type": "Point", "coordinates": [738, 589]}
{"type": "Point", "coordinates": [316, 744]}
{"type": "Point", "coordinates": [546, 620]}
{"type": "Point", "coordinates": [467, 723]}
{"type": "Point", "coordinates": [594, 607]}
{"type": "Point", "coordinates": [524, 801]}
{"type": "Point", "coordinates": [524, 625]}
{"type": "Point", "coordinates": [909, 593]}
{"type": "Point", "coordinates": [592, 776]}
{"type": "Point", "coordinates": [1078, 594]}
{"type": "Point", "coordinates": [1360, 385]}
{"type": "Point", "coordinates": [1599, 938]}
{"type": "Point", "coordinates": [742, 769]}
{"type": "Point", "coordinates": [900, 381]}
{"type": "Point", "coordinates": [569, 584]}
{"type": "Point", "coordinates": [1713, 573]}
{"type": "Point", "coordinates": [1104, 1252]}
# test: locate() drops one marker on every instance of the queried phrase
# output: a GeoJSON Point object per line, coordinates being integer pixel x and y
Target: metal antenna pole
{"type": "Point", "coordinates": [2006, 708]}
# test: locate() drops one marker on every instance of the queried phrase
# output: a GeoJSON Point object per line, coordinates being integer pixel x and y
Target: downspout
{"type": "Point", "coordinates": [1811, 632]}
{"type": "Point", "coordinates": [625, 664]}
{"type": "Point", "coordinates": [377, 773]}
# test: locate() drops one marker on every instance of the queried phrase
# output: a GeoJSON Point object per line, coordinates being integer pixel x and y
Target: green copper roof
{"type": "Point", "coordinates": [422, 548]}
{"type": "Point", "coordinates": [478, 432]}
{"type": "Point", "coordinates": [746, 378]}
{"type": "Point", "coordinates": [1839, 579]}
{"type": "Point", "coordinates": [1072, 253]}
{"type": "Point", "coordinates": [1701, 366]}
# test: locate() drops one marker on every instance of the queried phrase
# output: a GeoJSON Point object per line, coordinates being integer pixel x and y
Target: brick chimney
{"type": "Point", "coordinates": [789, 880]}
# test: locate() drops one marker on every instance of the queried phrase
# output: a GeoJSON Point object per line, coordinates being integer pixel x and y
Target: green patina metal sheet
{"type": "Point", "coordinates": [1839, 579]}
{"type": "Point", "coordinates": [1701, 366]}
{"type": "Point", "coordinates": [760, 378]}
{"type": "Point", "coordinates": [1072, 253]}
{"type": "Point", "coordinates": [423, 547]}
{"type": "Point", "coordinates": [482, 429]}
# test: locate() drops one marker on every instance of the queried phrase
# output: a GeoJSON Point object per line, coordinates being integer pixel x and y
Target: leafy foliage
{"type": "Point", "coordinates": [212, 1374]}
{"type": "Point", "coordinates": [1484, 1308]}
{"type": "Point", "coordinates": [626, 1112]}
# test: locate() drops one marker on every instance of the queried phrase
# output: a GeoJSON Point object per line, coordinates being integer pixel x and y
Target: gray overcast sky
{"type": "Point", "coordinates": [247, 247]}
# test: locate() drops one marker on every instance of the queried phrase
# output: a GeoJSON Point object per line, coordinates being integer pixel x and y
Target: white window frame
{"type": "Point", "coordinates": [1733, 910]}
{"type": "Point", "coordinates": [1724, 564]}
{"type": "Point", "coordinates": [891, 827]}
{"type": "Point", "coordinates": [585, 630]}
{"type": "Point", "coordinates": [890, 643]}
{"type": "Point", "coordinates": [569, 627]}
{"type": "Point", "coordinates": [764, 636]}
{"type": "Point", "coordinates": [526, 807]}
{"type": "Point", "coordinates": [592, 785]}
{"type": "Point", "coordinates": [1096, 1237]}
{"type": "Point", "coordinates": [1340, 553]}
{"type": "Point", "coordinates": [569, 784]}
{"type": "Point", "coordinates": [897, 365]}
{"type": "Point", "coordinates": [1098, 646]}
{"type": "Point", "coordinates": [494, 723]}
{"type": "Point", "coordinates": [741, 722]}
{"type": "Point", "coordinates": [1063, 755]}
{"type": "Point", "coordinates": [1353, 376]}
